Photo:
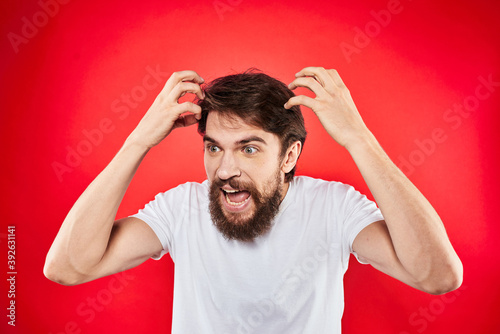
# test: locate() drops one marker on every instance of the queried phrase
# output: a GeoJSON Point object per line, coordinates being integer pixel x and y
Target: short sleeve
{"type": "Point", "coordinates": [358, 212]}
{"type": "Point", "coordinates": [165, 212]}
{"type": "Point", "coordinates": [158, 217]}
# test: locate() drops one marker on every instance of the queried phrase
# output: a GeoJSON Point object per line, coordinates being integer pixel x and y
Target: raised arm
{"type": "Point", "coordinates": [90, 243]}
{"type": "Point", "coordinates": [411, 244]}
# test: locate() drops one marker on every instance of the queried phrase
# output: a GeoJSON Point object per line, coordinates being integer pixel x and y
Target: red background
{"type": "Point", "coordinates": [68, 75]}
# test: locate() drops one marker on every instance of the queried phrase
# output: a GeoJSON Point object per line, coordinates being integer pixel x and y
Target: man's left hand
{"type": "Point", "coordinates": [333, 104]}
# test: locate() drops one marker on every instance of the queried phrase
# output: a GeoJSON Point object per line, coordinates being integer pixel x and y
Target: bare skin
{"type": "Point", "coordinates": [90, 243]}
{"type": "Point", "coordinates": [410, 245]}
{"type": "Point", "coordinates": [246, 152]}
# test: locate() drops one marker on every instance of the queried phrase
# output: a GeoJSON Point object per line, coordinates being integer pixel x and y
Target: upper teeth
{"type": "Point", "coordinates": [231, 191]}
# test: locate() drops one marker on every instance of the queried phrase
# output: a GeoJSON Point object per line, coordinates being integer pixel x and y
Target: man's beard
{"type": "Point", "coordinates": [232, 225]}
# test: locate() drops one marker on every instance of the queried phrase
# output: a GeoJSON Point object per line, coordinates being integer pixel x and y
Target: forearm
{"type": "Point", "coordinates": [418, 234]}
{"type": "Point", "coordinates": [414, 247]}
{"type": "Point", "coordinates": [86, 246]}
{"type": "Point", "coordinates": [84, 234]}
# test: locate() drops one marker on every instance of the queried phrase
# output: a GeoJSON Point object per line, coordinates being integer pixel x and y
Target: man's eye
{"type": "Point", "coordinates": [250, 150]}
{"type": "Point", "coordinates": [213, 149]}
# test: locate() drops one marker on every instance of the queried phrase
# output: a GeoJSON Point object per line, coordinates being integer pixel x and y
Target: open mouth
{"type": "Point", "coordinates": [236, 198]}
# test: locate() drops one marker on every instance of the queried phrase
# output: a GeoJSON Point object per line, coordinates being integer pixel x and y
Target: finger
{"type": "Point", "coordinates": [184, 87]}
{"type": "Point", "coordinates": [303, 100]}
{"type": "Point", "coordinates": [334, 75]}
{"type": "Point", "coordinates": [187, 107]}
{"type": "Point", "coordinates": [320, 74]}
{"type": "Point", "coordinates": [185, 120]}
{"type": "Point", "coordinates": [311, 71]}
{"type": "Point", "coordinates": [177, 77]}
{"type": "Point", "coordinates": [309, 83]}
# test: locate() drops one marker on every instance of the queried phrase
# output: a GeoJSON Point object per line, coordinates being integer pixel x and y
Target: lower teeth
{"type": "Point", "coordinates": [233, 203]}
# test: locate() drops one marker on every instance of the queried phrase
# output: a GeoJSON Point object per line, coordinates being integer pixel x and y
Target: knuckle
{"type": "Point", "coordinates": [159, 99]}
{"type": "Point", "coordinates": [186, 86]}
{"type": "Point", "coordinates": [330, 91]}
{"type": "Point", "coordinates": [187, 105]}
{"type": "Point", "coordinates": [175, 75]}
{"type": "Point", "coordinates": [183, 85]}
{"type": "Point", "coordinates": [192, 106]}
{"type": "Point", "coordinates": [309, 80]}
{"type": "Point", "coordinates": [330, 99]}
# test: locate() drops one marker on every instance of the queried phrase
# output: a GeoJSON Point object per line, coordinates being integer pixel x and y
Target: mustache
{"type": "Point", "coordinates": [233, 183]}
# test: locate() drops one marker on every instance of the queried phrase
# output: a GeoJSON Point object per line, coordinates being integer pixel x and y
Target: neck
{"type": "Point", "coordinates": [284, 190]}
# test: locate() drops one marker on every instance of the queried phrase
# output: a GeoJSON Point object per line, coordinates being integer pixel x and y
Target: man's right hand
{"type": "Point", "coordinates": [165, 114]}
{"type": "Point", "coordinates": [90, 243]}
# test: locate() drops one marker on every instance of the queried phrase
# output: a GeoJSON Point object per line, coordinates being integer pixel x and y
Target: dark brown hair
{"type": "Point", "coordinates": [258, 99]}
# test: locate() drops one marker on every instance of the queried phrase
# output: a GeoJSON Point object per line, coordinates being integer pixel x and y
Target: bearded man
{"type": "Point", "coordinates": [257, 249]}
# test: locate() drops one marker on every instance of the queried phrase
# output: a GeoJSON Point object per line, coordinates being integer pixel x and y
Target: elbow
{"type": "Point", "coordinates": [444, 286]}
{"type": "Point", "coordinates": [446, 281]}
{"type": "Point", "coordinates": [59, 275]}
{"type": "Point", "coordinates": [57, 278]}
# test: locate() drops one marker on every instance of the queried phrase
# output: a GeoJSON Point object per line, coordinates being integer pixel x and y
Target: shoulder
{"type": "Point", "coordinates": [307, 184]}
{"type": "Point", "coordinates": [186, 193]}
{"type": "Point", "coordinates": [318, 192]}
{"type": "Point", "coordinates": [188, 187]}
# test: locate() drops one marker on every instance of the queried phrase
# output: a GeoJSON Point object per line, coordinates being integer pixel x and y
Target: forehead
{"type": "Point", "coordinates": [232, 128]}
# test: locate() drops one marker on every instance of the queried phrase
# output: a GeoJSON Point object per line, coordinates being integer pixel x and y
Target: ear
{"type": "Point", "coordinates": [291, 157]}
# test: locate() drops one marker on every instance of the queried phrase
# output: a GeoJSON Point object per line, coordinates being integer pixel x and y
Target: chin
{"type": "Point", "coordinates": [242, 217]}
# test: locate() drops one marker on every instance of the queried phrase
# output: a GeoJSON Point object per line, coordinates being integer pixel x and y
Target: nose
{"type": "Point", "coordinates": [228, 167]}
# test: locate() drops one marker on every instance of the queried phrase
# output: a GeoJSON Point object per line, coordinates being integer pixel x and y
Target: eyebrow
{"type": "Point", "coordinates": [241, 142]}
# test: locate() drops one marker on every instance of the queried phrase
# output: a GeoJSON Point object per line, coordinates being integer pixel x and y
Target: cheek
{"type": "Point", "coordinates": [262, 172]}
{"type": "Point", "coordinates": [210, 167]}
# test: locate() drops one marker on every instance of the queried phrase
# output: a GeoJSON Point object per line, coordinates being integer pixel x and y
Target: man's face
{"type": "Point", "coordinates": [243, 167]}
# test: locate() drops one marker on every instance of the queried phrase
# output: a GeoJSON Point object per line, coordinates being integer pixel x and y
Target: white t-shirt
{"type": "Point", "coordinates": [289, 280]}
